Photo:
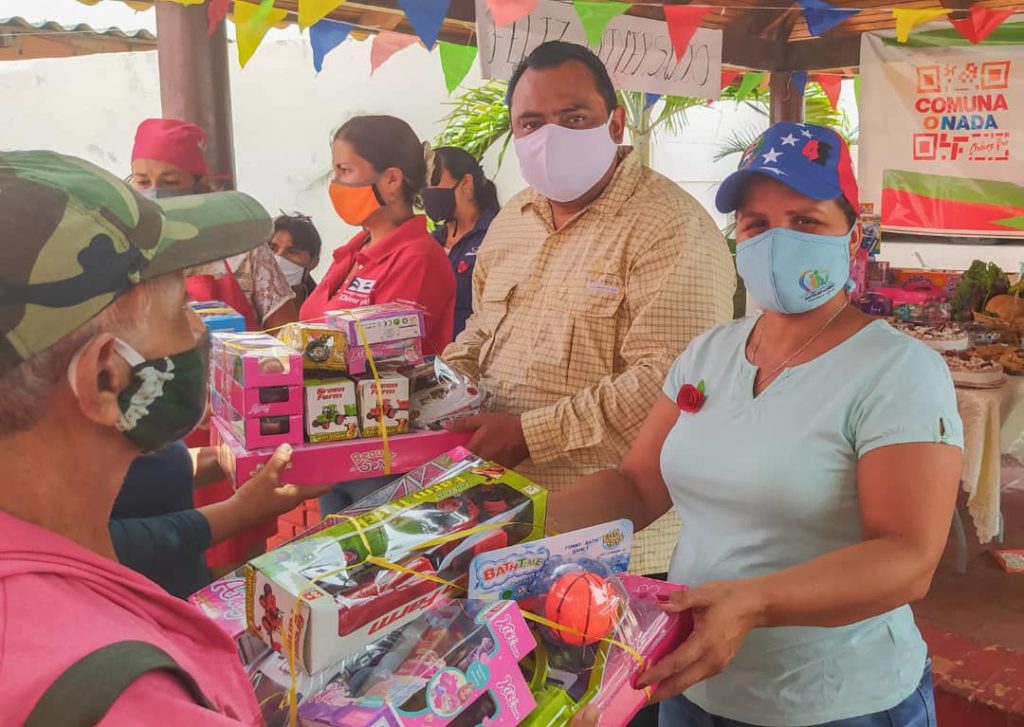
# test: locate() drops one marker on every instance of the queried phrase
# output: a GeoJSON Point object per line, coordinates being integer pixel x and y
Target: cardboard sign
{"type": "Point", "coordinates": [637, 51]}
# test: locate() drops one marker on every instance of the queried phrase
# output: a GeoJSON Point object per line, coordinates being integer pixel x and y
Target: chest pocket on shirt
{"type": "Point", "coordinates": [575, 345]}
{"type": "Point", "coordinates": [493, 307]}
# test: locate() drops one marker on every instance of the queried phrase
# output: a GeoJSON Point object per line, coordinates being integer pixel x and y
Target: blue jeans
{"type": "Point", "coordinates": [917, 710]}
{"type": "Point", "coordinates": [347, 493]}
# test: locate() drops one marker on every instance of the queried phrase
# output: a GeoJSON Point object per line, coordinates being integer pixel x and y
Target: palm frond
{"type": "Point", "coordinates": [478, 119]}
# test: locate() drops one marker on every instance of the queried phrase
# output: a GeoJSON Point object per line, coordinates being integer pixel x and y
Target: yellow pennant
{"type": "Point", "coordinates": [312, 12]}
{"type": "Point", "coordinates": [909, 18]}
{"type": "Point", "coordinates": [251, 25]}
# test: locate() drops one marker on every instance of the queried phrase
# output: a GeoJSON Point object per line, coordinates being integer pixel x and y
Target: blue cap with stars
{"type": "Point", "coordinates": [809, 159]}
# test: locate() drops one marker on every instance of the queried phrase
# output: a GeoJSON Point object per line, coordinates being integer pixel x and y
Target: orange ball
{"type": "Point", "coordinates": [583, 602]}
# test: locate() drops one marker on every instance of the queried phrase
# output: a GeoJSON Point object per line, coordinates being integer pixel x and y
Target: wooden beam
{"type": "Point", "coordinates": [194, 84]}
{"type": "Point", "coordinates": [822, 54]}
{"type": "Point", "coordinates": [786, 102]}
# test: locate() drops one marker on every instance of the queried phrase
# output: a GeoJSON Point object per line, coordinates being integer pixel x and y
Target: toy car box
{"type": "Point", "coordinates": [256, 359]}
{"type": "Point", "coordinates": [322, 345]}
{"type": "Point", "coordinates": [331, 412]}
{"type": "Point", "coordinates": [333, 588]}
{"type": "Point", "coordinates": [405, 352]}
{"type": "Point", "coordinates": [449, 665]}
{"type": "Point", "coordinates": [390, 407]}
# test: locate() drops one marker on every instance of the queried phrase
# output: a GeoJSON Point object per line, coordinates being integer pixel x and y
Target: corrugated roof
{"type": "Point", "coordinates": [21, 39]}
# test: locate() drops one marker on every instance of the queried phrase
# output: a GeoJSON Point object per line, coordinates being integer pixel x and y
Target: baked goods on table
{"type": "Point", "coordinates": [991, 351]}
{"type": "Point", "coordinates": [973, 372]}
{"type": "Point", "coordinates": [940, 337]}
{"type": "Point", "coordinates": [1013, 361]}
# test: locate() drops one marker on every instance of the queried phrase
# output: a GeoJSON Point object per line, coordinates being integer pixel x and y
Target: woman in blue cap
{"type": "Point", "coordinates": [813, 454]}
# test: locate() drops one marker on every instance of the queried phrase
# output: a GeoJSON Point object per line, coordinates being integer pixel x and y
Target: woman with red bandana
{"type": "Point", "coordinates": [379, 172]}
{"type": "Point", "coordinates": [168, 160]}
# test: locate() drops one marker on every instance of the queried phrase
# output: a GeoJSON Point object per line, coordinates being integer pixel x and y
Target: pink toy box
{"type": "Point", "coordinates": [223, 602]}
{"type": "Point", "coordinates": [256, 359]}
{"type": "Point", "coordinates": [264, 401]}
{"type": "Point", "coordinates": [324, 462]}
{"type": "Point", "coordinates": [407, 352]}
{"type": "Point", "coordinates": [449, 664]}
{"type": "Point", "coordinates": [380, 323]}
{"type": "Point", "coordinates": [257, 432]}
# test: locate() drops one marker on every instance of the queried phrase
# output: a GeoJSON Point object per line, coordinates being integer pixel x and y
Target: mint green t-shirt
{"type": "Point", "coordinates": [762, 484]}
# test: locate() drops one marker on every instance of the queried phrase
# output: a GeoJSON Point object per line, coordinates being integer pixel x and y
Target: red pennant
{"type": "Point", "coordinates": [683, 21]}
{"type": "Point", "coordinates": [831, 84]}
{"type": "Point", "coordinates": [981, 23]}
{"type": "Point", "coordinates": [728, 77]}
{"type": "Point", "coordinates": [216, 11]}
{"type": "Point", "coordinates": [509, 11]}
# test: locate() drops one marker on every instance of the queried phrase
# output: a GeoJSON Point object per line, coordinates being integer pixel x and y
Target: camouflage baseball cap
{"type": "Point", "coordinates": [74, 237]}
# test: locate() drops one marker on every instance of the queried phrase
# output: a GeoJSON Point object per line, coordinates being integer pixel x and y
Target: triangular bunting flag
{"type": "Point", "coordinates": [831, 84]}
{"type": "Point", "coordinates": [728, 77]}
{"type": "Point", "coordinates": [595, 17]}
{"type": "Point", "coordinates": [749, 82]}
{"type": "Point", "coordinates": [505, 12]}
{"type": "Point", "coordinates": [821, 16]}
{"type": "Point", "coordinates": [856, 88]}
{"type": "Point", "coordinates": [324, 37]}
{"type": "Point", "coordinates": [426, 17]}
{"type": "Point", "coordinates": [650, 99]}
{"type": "Point", "coordinates": [385, 44]}
{"type": "Point", "coordinates": [186, 2]}
{"type": "Point", "coordinates": [138, 6]}
{"type": "Point", "coordinates": [456, 60]}
{"type": "Point", "coordinates": [981, 23]}
{"type": "Point", "coordinates": [312, 12]}
{"type": "Point", "coordinates": [683, 21]}
{"type": "Point", "coordinates": [909, 18]}
{"type": "Point", "coordinates": [89, 2]}
{"type": "Point", "coordinates": [216, 11]}
{"type": "Point", "coordinates": [798, 82]}
{"type": "Point", "coordinates": [251, 25]}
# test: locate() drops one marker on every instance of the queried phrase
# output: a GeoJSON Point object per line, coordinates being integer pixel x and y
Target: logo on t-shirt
{"type": "Point", "coordinates": [363, 286]}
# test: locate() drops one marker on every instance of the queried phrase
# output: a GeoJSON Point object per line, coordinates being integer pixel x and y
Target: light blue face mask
{"type": "Point", "coordinates": [794, 272]}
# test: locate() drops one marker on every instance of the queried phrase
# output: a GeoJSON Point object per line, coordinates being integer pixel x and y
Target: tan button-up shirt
{"type": "Point", "coordinates": [575, 329]}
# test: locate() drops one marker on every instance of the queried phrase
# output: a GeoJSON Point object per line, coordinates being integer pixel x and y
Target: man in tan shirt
{"type": "Point", "coordinates": [587, 287]}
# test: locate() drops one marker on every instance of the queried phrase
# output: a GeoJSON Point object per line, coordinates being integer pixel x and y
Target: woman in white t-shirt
{"type": "Point", "coordinates": [813, 454]}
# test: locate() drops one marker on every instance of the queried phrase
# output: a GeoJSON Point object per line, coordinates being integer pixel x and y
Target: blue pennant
{"type": "Point", "coordinates": [798, 82]}
{"type": "Point", "coordinates": [650, 99]}
{"type": "Point", "coordinates": [822, 17]}
{"type": "Point", "coordinates": [426, 18]}
{"type": "Point", "coordinates": [325, 36]}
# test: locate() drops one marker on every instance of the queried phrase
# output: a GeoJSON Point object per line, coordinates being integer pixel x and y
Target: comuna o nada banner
{"type": "Point", "coordinates": [942, 132]}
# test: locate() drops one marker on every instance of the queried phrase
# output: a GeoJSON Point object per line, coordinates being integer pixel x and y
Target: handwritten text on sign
{"type": "Point", "coordinates": [637, 51]}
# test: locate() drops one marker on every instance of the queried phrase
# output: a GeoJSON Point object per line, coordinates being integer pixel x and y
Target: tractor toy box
{"type": "Point", "coordinates": [456, 664]}
{"type": "Point", "coordinates": [350, 584]}
{"type": "Point", "coordinates": [331, 413]}
{"type": "Point", "coordinates": [387, 405]}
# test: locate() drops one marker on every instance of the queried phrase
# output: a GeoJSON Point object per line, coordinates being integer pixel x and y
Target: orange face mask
{"type": "Point", "coordinates": [354, 204]}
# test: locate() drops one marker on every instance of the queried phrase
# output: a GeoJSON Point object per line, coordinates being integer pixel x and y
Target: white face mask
{"type": "Point", "coordinates": [293, 272]}
{"type": "Point", "coordinates": [564, 164]}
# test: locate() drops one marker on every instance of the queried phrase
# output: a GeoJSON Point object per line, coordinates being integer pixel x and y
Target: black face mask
{"type": "Point", "coordinates": [439, 203]}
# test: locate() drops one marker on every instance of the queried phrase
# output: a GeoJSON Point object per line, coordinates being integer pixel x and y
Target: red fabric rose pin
{"type": "Point", "coordinates": [691, 398]}
{"type": "Point", "coordinates": [463, 266]}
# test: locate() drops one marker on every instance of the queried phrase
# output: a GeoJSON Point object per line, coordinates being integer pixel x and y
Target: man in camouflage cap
{"type": "Point", "coordinates": [100, 358]}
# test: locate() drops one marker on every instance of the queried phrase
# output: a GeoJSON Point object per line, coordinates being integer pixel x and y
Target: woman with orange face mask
{"type": "Point", "coordinates": [379, 171]}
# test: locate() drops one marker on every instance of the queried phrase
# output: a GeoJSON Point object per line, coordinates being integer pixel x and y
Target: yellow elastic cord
{"type": "Point", "coordinates": [361, 334]}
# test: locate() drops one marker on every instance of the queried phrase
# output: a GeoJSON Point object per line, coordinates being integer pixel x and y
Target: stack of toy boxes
{"type": "Point", "coordinates": [257, 389]}
{"type": "Point", "coordinates": [337, 599]}
{"type": "Point", "coordinates": [342, 399]}
{"type": "Point", "coordinates": [219, 316]}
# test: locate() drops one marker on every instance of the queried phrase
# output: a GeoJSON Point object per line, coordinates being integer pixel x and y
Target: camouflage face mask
{"type": "Point", "coordinates": [167, 397]}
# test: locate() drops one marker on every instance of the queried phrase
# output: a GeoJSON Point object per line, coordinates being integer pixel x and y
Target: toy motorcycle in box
{"type": "Point", "coordinates": [352, 583]}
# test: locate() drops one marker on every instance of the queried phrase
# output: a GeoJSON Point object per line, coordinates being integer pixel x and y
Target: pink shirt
{"type": "Point", "coordinates": [59, 601]}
